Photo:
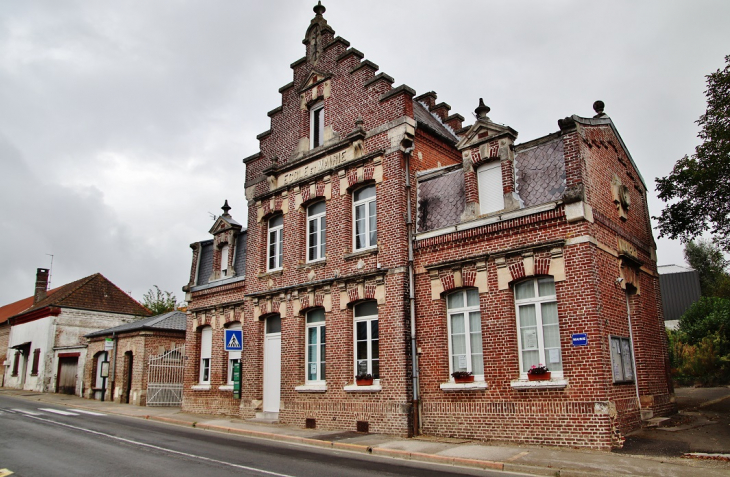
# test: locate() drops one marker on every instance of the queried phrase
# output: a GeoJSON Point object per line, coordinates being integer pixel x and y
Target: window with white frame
{"type": "Point", "coordinates": [316, 231]}
{"type": "Point", "coordinates": [316, 125]}
{"type": "Point", "coordinates": [367, 349]}
{"type": "Point", "coordinates": [233, 356]}
{"type": "Point", "coordinates": [275, 243]}
{"type": "Point", "coordinates": [491, 196]}
{"type": "Point", "coordinates": [224, 261]}
{"type": "Point", "coordinates": [465, 332]}
{"type": "Point", "coordinates": [206, 344]}
{"type": "Point", "coordinates": [315, 346]}
{"type": "Point", "coordinates": [622, 362]}
{"type": "Point", "coordinates": [537, 324]}
{"type": "Point", "coordinates": [365, 218]}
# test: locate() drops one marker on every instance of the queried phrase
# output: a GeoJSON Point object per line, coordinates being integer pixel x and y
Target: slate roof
{"type": "Point", "coordinates": [94, 292]}
{"type": "Point", "coordinates": [431, 122]}
{"type": "Point", "coordinates": [205, 267]}
{"type": "Point", "coordinates": [441, 198]}
{"type": "Point", "coordinates": [540, 171]}
{"type": "Point", "coordinates": [171, 321]}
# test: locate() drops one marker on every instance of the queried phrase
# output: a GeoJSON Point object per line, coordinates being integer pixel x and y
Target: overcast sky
{"type": "Point", "coordinates": [123, 123]}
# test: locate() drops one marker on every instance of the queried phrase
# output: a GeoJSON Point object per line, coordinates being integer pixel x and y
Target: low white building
{"type": "Point", "coordinates": [46, 347]}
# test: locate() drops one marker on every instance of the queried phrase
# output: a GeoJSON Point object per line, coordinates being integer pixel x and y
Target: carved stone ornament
{"type": "Point", "coordinates": [621, 197]}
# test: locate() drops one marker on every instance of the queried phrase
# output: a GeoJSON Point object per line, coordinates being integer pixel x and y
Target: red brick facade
{"type": "Point", "coordinates": [582, 222]}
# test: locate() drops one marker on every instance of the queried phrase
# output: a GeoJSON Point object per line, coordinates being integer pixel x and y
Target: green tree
{"type": "Point", "coordinates": [158, 301]}
{"type": "Point", "coordinates": [709, 261]}
{"type": "Point", "coordinates": [699, 186]}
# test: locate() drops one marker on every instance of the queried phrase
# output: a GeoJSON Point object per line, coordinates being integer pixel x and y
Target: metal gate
{"type": "Point", "coordinates": [165, 378]}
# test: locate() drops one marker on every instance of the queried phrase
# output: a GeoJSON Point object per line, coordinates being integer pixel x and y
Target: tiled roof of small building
{"type": "Point", "coordinates": [171, 321]}
{"type": "Point", "coordinates": [540, 171]}
{"type": "Point", "coordinates": [425, 118]}
{"type": "Point", "coordinates": [94, 292]}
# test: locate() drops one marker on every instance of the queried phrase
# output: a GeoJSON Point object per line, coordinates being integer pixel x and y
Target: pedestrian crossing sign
{"type": "Point", "coordinates": [233, 340]}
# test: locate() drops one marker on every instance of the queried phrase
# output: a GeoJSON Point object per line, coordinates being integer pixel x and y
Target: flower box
{"type": "Point", "coordinates": [366, 380]}
{"type": "Point", "coordinates": [539, 377]}
{"type": "Point", "coordinates": [463, 379]}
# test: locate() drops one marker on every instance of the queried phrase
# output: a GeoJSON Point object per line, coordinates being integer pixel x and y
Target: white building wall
{"type": "Point", "coordinates": [38, 333]}
{"type": "Point", "coordinates": [56, 335]}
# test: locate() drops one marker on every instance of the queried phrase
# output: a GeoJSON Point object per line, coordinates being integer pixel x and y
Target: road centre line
{"type": "Point", "coordinates": [57, 411]}
{"type": "Point", "coordinates": [164, 449]}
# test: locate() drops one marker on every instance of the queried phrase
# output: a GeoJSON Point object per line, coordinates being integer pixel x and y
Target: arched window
{"type": "Point", "coordinates": [315, 346]}
{"type": "Point", "coordinates": [365, 224]}
{"type": "Point", "coordinates": [233, 356]}
{"type": "Point", "coordinates": [465, 332]}
{"type": "Point", "coordinates": [206, 344]}
{"type": "Point", "coordinates": [275, 243]}
{"type": "Point", "coordinates": [367, 349]}
{"type": "Point", "coordinates": [537, 325]}
{"type": "Point", "coordinates": [316, 231]}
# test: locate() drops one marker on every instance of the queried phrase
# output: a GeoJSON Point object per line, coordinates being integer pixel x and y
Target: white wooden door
{"type": "Point", "coordinates": [272, 372]}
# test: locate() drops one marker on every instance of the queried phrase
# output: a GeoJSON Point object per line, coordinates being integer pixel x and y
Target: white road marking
{"type": "Point", "coordinates": [164, 449]}
{"type": "Point", "coordinates": [87, 412]}
{"type": "Point", "coordinates": [31, 413]}
{"type": "Point", "coordinates": [57, 411]}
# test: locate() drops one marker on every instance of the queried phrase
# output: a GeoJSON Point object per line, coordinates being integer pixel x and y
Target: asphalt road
{"type": "Point", "coordinates": [41, 440]}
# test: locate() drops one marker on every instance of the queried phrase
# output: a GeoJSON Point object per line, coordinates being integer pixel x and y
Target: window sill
{"type": "Point", "coordinates": [475, 386]}
{"type": "Point", "coordinates": [354, 388]}
{"type": "Point", "coordinates": [314, 263]}
{"type": "Point", "coordinates": [226, 387]}
{"type": "Point", "coordinates": [200, 387]}
{"type": "Point", "coordinates": [311, 388]}
{"type": "Point", "coordinates": [362, 253]}
{"type": "Point", "coordinates": [271, 273]}
{"type": "Point", "coordinates": [555, 383]}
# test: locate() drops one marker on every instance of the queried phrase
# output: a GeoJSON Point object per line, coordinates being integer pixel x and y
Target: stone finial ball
{"type": "Point", "coordinates": [598, 106]}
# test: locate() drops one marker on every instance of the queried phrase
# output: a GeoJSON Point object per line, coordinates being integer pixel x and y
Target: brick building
{"type": "Point", "coordinates": [380, 225]}
{"type": "Point", "coordinates": [133, 344]}
{"type": "Point", "coordinates": [46, 345]}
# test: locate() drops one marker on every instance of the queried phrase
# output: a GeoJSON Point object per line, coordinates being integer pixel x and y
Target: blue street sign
{"type": "Point", "coordinates": [580, 339]}
{"type": "Point", "coordinates": [233, 340]}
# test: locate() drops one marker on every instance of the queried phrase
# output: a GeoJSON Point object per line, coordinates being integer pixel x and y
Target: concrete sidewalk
{"type": "Point", "coordinates": [508, 457]}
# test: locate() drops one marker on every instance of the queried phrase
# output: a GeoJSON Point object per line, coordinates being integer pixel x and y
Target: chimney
{"type": "Point", "coordinates": [41, 284]}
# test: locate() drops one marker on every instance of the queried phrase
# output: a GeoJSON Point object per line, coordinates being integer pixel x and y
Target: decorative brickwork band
{"type": "Point", "coordinates": [266, 208]}
{"type": "Point", "coordinates": [469, 277]}
{"type": "Point", "coordinates": [352, 177]}
{"type": "Point", "coordinates": [264, 306]}
{"type": "Point", "coordinates": [304, 300]}
{"type": "Point", "coordinates": [305, 193]}
{"type": "Point", "coordinates": [368, 171]}
{"type": "Point", "coordinates": [319, 298]}
{"type": "Point", "coordinates": [476, 156]}
{"type": "Point", "coordinates": [370, 291]}
{"type": "Point", "coordinates": [542, 266]}
{"type": "Point", "coordinates": [353, 294]}
{"type": "Point", "coordinates": [277, 203]}
{"type": "Point", "coordinates": [517, 270]}
{"type": "Point", "coordinates": [447, 281]}
{"type": "Point", "coordinates": [320, 189]}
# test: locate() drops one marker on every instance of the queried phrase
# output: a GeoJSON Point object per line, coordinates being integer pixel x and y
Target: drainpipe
{"type": "Point", "coordinates": [113, 373]}
{"type": "Point", "coordinates": [633, 353]}
{"type": "Point", "coordinates": [407, 147]}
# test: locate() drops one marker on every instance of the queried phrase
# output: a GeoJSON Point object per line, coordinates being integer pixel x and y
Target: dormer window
{"type": "Point", "coordinates": [224, 261]}
{"type": "Point", "coordinates": [491, 195]}
{"type": "Point", "coordinates": [316, 125]}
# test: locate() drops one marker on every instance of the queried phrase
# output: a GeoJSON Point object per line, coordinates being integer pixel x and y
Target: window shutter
{"type": "Point", "coordinates": [491, 196]}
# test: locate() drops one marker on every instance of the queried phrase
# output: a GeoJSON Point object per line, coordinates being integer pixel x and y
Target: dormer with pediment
{"type": "Point", "coordinates": [221, 259]}
{"type": "Point", "coordinates": [487, 151]}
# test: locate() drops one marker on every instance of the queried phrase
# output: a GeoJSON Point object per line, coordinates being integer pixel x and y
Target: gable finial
{"type": "Point", "coordinates": [226, 208]}
{"type": "Point", "coordinates": [319, 9]}
{"type": "Point", "coordinates": [598, 107]}
{"type": "Point", "coordinates": [482, 110]}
